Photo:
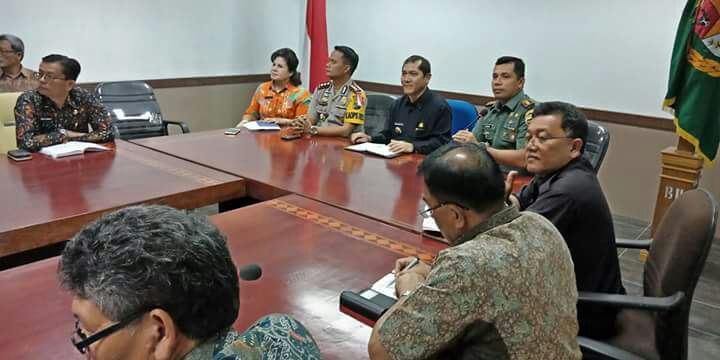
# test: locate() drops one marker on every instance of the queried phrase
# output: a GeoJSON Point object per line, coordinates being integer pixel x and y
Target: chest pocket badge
{"type": "Point", "coordinates": [509, 132]}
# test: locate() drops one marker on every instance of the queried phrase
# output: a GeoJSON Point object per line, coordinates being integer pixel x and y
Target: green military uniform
{"type": "Point", "coordinates": [338, 107]}
{"type": "Point", "coordinates": [505, 125]}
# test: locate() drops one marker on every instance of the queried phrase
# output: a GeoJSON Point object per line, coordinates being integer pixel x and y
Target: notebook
{"type": "Point", "coordinates": [377, 149]}
{"type": "Point", "coordinates": [71, 148]}
{"type": "Point", "coordinates": [373, 302]}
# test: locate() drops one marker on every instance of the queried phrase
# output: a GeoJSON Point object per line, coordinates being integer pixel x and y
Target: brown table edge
{"type": "Point", "coordinates": [15, 241]}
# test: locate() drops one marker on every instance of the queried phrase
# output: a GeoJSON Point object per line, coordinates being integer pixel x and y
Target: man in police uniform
{"type": "Point", "coordinates": [338, 106]}
{"type": "Point", "coordinates": [504, 128]}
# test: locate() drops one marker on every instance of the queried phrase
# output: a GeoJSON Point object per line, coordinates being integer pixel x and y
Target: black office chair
{"type": "Point", "coordinates": [655, 325]}
{"type": "Point", "coordinates": [134, 110]}
{"type": "Point", "coordinates": [377, 112]}
{"type": "Point", "coordinates": [598, 141]}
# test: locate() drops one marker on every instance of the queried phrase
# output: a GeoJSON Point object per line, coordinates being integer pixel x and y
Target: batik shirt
{"type": "Point", "coordinates": [272, 337]}
{"type": "Point", "coordinates": [24, 81]}
{"type": "Point", "coordinates": [36, 114]}
{"type": "Point", "coordinates": [504, 290]}
{"type": "Point", "coordinates": [288, 103]}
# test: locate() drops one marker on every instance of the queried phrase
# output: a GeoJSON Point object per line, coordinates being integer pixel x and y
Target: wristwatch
{"type": "Point", "coordinates": [63, 132]}
{"type": "Point", "coordinates": [313, 130]}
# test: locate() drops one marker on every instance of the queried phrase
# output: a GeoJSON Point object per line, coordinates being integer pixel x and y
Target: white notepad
{"type": "Point", "coordinates": [71, 148]}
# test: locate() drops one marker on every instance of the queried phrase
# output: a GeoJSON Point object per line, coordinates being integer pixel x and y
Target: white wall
{"type": "Point", "coordinates": [611, 55]}
{"type": "Point", "coordinates": [154, 39]}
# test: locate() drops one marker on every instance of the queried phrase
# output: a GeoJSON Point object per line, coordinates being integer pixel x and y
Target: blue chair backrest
{"type": "Point", "coordinates": [463, 114]}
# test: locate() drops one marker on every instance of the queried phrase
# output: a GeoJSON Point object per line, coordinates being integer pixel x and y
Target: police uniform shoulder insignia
{"type": "Point", "coordinates": [528, 103]}
{"type": "Point", "coordinates": [324, 85]}
{"type": "Point", "coordinates": [358, 91]}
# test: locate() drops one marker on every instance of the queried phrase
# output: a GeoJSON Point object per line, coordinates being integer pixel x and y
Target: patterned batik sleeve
{"type": "Point", "coordinates": [26, 127]}
{"type": "Point", "coordinates": [435, 313]}
{"type": "Point", "coordinates": [101, 123]}
{"type": "Point", "coordinates": [301, 102]}
{"type": "Point", "coordinates": [254, 108]}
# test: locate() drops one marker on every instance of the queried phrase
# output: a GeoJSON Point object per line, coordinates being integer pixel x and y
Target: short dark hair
{"type": "Point", "coordinates": [518, 64]}
{"type": "Point", "coordinates": [474, 182]}
{"type": "Point", "coordinates": [15, 43]}
{"type": "Point", "coordinates": [424, 63]}
{"type": "Point", "coordinates": [70, 66]}
{"type": "Point", "coordinates": [574, 122]}
{"type": "Point", "coordinates": [292, 63]}
{"type": "Point", "coordinates": [350, 56]}
{"type": "Point", "coordinates": [145, 257]}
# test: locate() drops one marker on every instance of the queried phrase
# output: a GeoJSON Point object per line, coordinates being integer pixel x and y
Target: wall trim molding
{"type": "Point", "coordinates": [621, 118]}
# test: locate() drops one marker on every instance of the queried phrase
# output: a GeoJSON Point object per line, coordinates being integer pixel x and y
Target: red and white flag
{"type": "Point", "coordinates": [315, 50]}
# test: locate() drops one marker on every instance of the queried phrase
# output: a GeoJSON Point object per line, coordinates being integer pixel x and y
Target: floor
{"type": "Point", "coordinates": [704, 340]}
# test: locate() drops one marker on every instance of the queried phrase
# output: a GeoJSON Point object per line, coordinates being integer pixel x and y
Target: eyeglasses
{"type": "Point", "coordinates": [48, 77]}
{"type": "Point", "coordinates": [428, 212]}
{"type": "Point", "coordinates": [542, 139]}
{"type": "Point", "coordinates": [82, 341]}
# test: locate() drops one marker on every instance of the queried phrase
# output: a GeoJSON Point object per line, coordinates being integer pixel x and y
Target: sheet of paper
{"type": "Point", "coordinates": [258, 125]}
{"type": "Point", "coordinates": [386, 285]}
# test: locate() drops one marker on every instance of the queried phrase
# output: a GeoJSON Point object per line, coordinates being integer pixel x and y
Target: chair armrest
{"type": "Point", "coordinates": [183, 126]}
{"type": "Point", "coordinates": [590, 346]}
{"type": "Point", "coordinates": [632, 302]}
{"type": "Point", "coordinates": [633, 244]}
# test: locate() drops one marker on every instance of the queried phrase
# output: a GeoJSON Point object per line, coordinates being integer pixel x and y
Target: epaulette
{"type": "Point", "coordinates": [324, 85]}
{"type": "Point", "coordinates": [490, 104]}
{"type": "Point", "coordinates": [355, 88]}
{"type": "Point", "coordinates": [528, 103]}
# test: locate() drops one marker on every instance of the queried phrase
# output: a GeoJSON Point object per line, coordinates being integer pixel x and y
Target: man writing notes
{"type": "Point", "coordinates": [505, 287]}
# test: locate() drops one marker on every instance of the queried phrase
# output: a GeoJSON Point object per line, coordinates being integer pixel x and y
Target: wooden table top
{"type": "Point", "coordinates": [45, 201]}
{"type": "Point", "coordinates": [309, 253]}
{"type": "Point", "coordinates": [388, 190]}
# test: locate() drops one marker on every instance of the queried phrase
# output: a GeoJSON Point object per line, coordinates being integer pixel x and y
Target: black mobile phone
{"type": "Point", "coordinates": [19, 155]}
{"type": "Point", "coordinates": [232, 131]}
{"type": "Point", "coordinates": [291, 136]}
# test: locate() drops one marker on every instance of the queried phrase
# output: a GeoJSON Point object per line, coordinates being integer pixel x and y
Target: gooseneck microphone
{"type": "Point", "coordinates": [250, 272]}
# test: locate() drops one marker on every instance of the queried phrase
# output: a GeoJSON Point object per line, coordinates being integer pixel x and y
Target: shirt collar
{"type": "Point", "coordinates": [288, 86]}
{"type": "Point", "coordinates": [502, 217]}
{"type": "Point", "coordinates": [421, 101]}
{"type": "Point", "coordinates": [24, 73]}
{"type": "Point", "coordinates": [72, 100]}
{"type": "Point", "coordinates": [544, 183]}
{"type": "Point", "coordinates": [513, 102]}
{"type": "Point", "coordinates": [343, 87]}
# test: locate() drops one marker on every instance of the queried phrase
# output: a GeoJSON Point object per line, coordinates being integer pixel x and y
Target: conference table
{"type": "Point", "coordinates": [386, 190]}
{"type": "Point", "coordinates": [309, 252]}
{"type": "Point", "coordinates": [45, 200]}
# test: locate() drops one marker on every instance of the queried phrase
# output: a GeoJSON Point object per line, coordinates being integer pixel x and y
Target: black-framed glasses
{"type": "Point", "coordinates": [428, 211]}
{"type": "Point", "coordinates": [83, 341]}
{"type": "Point", "coordinates": [542, 139]}
{"type": "Point", "coordinates": [47, 77]}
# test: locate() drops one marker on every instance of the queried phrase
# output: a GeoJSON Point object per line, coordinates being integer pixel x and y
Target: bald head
{"type": "Point", "coordinates": [464, 174]}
